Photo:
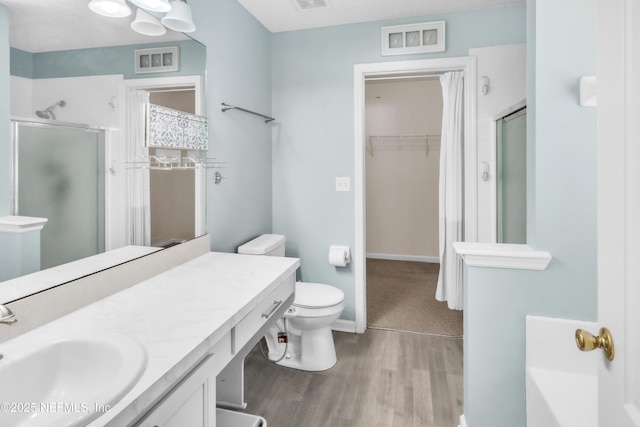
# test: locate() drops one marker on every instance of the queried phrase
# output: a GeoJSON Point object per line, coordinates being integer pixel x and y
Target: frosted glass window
{"type": "Point", "coordinates": [169, 128]}
{"type": "Point", "coordinates": [60, 176]}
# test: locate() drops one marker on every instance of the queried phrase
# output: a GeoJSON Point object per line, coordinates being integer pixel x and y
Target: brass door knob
{"type": "Point", "coordinates": [587, 342]}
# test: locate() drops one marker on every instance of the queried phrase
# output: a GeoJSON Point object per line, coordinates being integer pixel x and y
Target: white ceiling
{"type": "Point", "coordinates": [48, 25]}
{"type": "Point", "coordinates": [287, 15]}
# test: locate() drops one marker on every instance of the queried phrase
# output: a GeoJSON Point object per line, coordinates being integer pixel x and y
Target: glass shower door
{"type": "Point", "coordinates": [512, 178]}
{"type": "Point", "coordinates": [59, 175]}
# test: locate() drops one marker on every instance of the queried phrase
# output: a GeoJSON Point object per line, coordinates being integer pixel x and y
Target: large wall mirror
{"type": "Point", "coordinates": [78, 157]}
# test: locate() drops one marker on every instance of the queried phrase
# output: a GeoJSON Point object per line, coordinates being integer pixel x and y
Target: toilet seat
{"type": "Point", "coordinates": [316, 295]}
{"type": "Point", "coordinates": [316, 312]}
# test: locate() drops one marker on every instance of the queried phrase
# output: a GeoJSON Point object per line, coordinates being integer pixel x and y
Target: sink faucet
{"type": "Point", "coordinates": [6, 315]}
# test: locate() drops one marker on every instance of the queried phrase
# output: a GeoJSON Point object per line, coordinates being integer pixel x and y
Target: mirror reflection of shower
{"type": "Point", "coordinates": [47, 113]}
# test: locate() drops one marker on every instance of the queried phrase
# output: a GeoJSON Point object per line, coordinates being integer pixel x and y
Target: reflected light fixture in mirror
{"type": "Point", "coordinates": [153, 5]}
{"type": "Point", "coordinates": [179, 18]}
{"type": "Point", "coordinates": [110, 8]}
{"type": "Point", "coordinates": [147, 24]}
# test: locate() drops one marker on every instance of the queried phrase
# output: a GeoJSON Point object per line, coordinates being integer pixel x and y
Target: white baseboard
{"type": "Point", "coordinates": [342, 325]}
{"type": "Point", "coordinates": [463, 421]}
{"type": "Point", "coordinates": [400, 257]}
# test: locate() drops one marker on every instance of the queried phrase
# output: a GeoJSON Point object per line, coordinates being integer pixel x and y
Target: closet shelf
{"type": "Point", "coordinates": [174, 163]}
{"type": "Point", "coordinates": [403, 142]}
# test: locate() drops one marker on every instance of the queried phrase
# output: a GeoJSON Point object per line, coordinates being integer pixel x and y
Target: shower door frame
{"type": "Point", "coordinates": [16, 122]}
{"type": "Point", "coordinates": [467, 64]}
{"type": "Point", "coordinates": [497, 155]}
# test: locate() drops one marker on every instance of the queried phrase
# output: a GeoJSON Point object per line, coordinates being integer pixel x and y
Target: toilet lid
{"type": "Point", "coordinates": [310, 295]}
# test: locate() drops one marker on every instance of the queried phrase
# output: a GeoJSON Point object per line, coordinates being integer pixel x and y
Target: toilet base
{"type": "Point", "coordinates": [312, 350]}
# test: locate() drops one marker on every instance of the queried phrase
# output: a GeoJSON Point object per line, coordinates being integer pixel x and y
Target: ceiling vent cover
{"type": "Point", "coordinates": [310, 4]}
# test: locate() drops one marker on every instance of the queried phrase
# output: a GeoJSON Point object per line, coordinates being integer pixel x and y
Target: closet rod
{"type": "Point", "coordinates": [401, 77]}
{"type": "Point", "coordinates": [167, 90]}
{"type": "Point", "coordinates": [399, 138]}
{"type": "Point", "coordinates": [224, 107]}
{"type": "Point", "coordinates": [404, 136]}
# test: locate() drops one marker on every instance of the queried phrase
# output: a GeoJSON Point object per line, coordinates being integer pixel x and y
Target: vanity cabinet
{"type": "Point", "coordinates": [271, 307]}
{"type": "Point", "coordinates": [246, 333]}
{"type": "Point", "coordinates": [219, 378]}
{"type": "Point", "coordinates": [191, 403]}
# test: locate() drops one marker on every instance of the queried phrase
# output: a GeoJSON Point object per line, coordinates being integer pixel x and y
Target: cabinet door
{"type": "Point", "coordinates": [191, 412]}
{"type": "Point", "coordinates": [192, 403]}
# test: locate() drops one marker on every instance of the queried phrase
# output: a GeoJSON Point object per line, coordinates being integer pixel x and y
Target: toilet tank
{"type": "Point", "coordinates": [266, 244]}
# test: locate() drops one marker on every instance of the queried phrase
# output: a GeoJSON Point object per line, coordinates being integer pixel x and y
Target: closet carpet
{"type": "Point", "coordinates": [401, 296]}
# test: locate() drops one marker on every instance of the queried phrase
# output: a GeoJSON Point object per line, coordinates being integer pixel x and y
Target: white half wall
{"type": "Point", "coordinates": [505, 66]}
{"type": "Point", "coordinates": [21, 97]}
{"type": "Point", "coordinates": [89, 100]}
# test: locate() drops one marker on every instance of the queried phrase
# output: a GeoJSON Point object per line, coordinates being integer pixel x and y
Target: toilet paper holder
{"type": "Point", "coordinates": [339, 256]}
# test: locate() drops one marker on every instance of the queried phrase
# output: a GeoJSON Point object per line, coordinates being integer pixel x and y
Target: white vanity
{"type": "Point", "coordinates": [196, 322]}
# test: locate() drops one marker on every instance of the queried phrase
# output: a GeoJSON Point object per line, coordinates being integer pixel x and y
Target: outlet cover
{"type": "Point", "coordinates": [343, 183]}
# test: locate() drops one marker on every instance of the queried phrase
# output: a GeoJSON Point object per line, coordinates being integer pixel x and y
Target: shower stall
{"type": "Point", "coordinates": [59, 174]}
{"type": "Point", "coordinates": [511, 177]}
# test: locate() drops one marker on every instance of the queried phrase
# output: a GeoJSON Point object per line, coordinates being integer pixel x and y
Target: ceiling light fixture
{"type": "Point", "coordinates": [147, 24]}
{"type": "Point", "coordinates": [179, 18]}
{"type": "Point", "coordinates": [153, 5]}
{"type": "Point", "coordinates": [110, 8]}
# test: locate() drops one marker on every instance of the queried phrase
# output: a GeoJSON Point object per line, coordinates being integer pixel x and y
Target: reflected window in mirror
{"type": "Point", "coordinates": [173, 213]}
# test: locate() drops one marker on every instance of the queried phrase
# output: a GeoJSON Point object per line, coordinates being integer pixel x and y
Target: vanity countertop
{"type": "Point", "coordinates": [177, 316]}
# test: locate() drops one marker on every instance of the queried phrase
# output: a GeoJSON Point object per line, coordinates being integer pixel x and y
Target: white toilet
{"type": "Point", "coordinates": [307, 322]}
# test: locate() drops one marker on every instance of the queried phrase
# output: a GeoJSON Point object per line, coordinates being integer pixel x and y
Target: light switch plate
{"type": "Point", "coordinates": [343, 183]}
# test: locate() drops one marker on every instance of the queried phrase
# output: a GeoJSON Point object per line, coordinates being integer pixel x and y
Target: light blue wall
{"type": "Point", "coordinates": [563, 205]}
{"type": "Point", "coordinates": [5, 131]}
{"type": "Point", "coordinates": [21, 63]}
{"type": "Point", "coordinates": [314, 140]}
{"type": "Point", "coordinates": [238, 73]}
{"type": "Point", "coordinates": [103, 61]}
{"type": "Point", "coordinates": [19, 254]}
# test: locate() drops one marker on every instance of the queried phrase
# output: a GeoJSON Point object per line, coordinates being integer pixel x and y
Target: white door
{"type": "Point", "coordinates": [619, 209]}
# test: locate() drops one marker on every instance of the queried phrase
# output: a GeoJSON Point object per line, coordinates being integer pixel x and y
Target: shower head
{"type": "Point", "coordinates": [47, 113]}
{"type": "Point", "coordinates": [44, 114]}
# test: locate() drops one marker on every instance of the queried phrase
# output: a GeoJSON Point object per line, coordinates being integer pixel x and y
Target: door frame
{"type": "Point", "coordinates": [115, 153]}
{"type": "Point", "coordinates": [618, 49]}
{"type": "Point", "coordinates": [467, 64]}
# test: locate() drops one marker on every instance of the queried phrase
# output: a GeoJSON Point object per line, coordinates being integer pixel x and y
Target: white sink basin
{"type": "Point", "coordinates": [66, 381]}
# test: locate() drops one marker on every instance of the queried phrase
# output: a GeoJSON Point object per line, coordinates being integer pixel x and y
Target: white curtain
{"type": "Point", "coordinates": [451, 190]}
{"type": "Point", "coordinates": [137, 178]}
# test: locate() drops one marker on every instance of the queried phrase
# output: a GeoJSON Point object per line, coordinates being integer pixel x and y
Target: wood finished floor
{"type": "Point", "coordinates": [382, 378]}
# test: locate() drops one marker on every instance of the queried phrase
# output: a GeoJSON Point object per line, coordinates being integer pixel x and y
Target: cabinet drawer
{"type": "Point", "coordinates": [267, 311]}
